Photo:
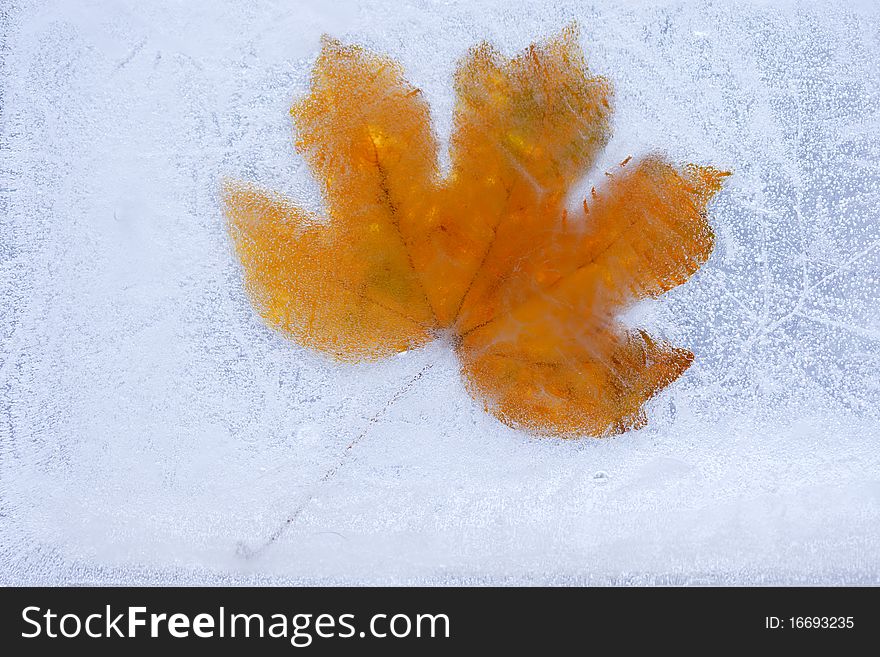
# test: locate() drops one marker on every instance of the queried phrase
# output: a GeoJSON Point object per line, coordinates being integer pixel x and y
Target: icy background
{"type": "Point", "coordinates": [152, 430]}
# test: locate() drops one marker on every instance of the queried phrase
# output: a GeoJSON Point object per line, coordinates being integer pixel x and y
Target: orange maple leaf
{"type": "Point", "coordinates": [528, 290]}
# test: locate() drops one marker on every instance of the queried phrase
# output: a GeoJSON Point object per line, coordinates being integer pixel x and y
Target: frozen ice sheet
{"type": "Point", "coordinates": [151, 426]}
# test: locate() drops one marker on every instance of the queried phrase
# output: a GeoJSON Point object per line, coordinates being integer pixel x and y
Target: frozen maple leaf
{"type": "Point", "coordinates": [529, 290]}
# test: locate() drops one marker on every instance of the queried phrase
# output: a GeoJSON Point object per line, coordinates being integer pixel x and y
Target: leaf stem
{"type": "Point", "coordinates": [249, 552]}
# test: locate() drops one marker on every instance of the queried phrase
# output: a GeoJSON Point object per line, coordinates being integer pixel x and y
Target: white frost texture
{"type": "Point", "coordinates": [153, 430]}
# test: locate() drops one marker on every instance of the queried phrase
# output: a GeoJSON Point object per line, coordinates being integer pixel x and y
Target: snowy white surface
{"type": "Point", "coordinates": [150, 425]}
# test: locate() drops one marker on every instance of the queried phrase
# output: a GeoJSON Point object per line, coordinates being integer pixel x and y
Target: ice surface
{"type": "Point", "coordinates": [153, 430]}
